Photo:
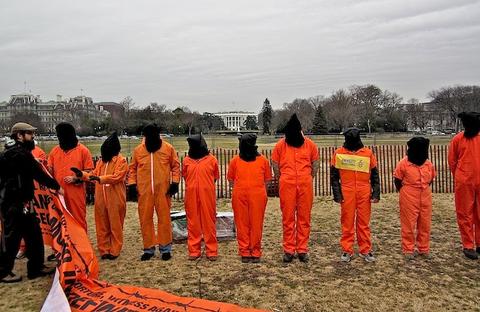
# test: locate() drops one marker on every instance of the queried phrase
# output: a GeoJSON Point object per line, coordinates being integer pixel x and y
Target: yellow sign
{"type": "Point", "coordinates": [353, 162]}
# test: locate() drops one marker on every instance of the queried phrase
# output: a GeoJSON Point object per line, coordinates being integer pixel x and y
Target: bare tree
{"type": "Point", "coordinates": [340, 110]}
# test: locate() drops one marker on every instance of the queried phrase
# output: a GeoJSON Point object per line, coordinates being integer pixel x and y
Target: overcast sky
{"type": "Point", "coordinates": [222, 55]}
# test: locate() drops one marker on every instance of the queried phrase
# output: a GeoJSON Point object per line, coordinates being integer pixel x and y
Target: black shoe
{"type": "Point", "coordinates": [51, 257]}
{"type": "Point", "coordinates": [287, 258]}
{"type": "Point", "coordinates": [255, 260]}
{"type": "Point", "coordinates": [146, 256]}
{"type": "Point", "coordinates": [166, 256]}
{"type": "Point", "coordinates": [43, 272]}
{"type": "Point", "coordinates": [111, 257]}
{"type": "Point", "coordinates": [11, 278]}
{"type": "Point", "coordinates": [105, 257]}
{"type": "Point", "coordinates": [470, 254]}
{"type": "Point", "coordinates": [245, 259]}
{"type": "Point", "coordinates": [303, 257]}
{"type": "Point", "coordinates": [478, 250]}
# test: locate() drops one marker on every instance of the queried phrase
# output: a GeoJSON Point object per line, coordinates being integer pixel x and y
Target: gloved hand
{"type": "Point", "coordinates": [78, 172]}
{"type": "Point", "coordinates": [94, 178]}
{"type": "Point", "coordinates": [173, 189]}
{"type": "Point", "coordinates": [132, 192]}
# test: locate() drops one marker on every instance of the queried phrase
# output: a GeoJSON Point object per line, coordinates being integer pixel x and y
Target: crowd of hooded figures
{"type": "Point", "coordinates": [154, 173]}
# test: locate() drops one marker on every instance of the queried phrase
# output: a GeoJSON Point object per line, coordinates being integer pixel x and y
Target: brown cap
{"type": "Point", "coordinates": [22, 126]}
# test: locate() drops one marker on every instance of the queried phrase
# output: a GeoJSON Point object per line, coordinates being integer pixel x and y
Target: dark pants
{"type": "Point", "coordinates": [17, 225]}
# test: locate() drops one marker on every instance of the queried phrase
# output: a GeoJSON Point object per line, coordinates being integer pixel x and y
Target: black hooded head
{"type": "Point", "coordinates": [248, 149]}
{"type": "Point", "coordinates": [151, 132]}
{"type": "Point", "coordinates": [417, 152]}
{"type": "Point", "coordinates": [293, 132]}
{"type": "Point", "coordinates": [471, 123]}
{"type": "Point", "coordinates": [197, 146]}
{"type": "Point", "coordinates": [67, 138]}
{"type": "Point", "coordinates": [353, 142]}
{"type": "Point", "coordinates": [110, 148]}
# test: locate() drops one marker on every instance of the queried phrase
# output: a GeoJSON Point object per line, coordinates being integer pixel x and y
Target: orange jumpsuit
{"type": "Point", "coordinates": [152, 173]}
{"type": "Point", "coordinates": [200, 204]}
{"type": "Point", "coordinates": [464, 162]}
{"type": "Point", "coordinates": [110, 204]}
{"type": "Point", "coordinates": [249, 200]}
{"type": "Point", "coordinates": [356, 205]}
{"type": "Point", "coordinates": [296, 192]}
{"type": "Point", "coordinates": [59, 164]}
{"type": "Point", "coordinates": [415, 204]}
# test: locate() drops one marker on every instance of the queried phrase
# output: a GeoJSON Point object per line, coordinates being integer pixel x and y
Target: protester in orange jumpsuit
{"type": "Point", "coordinates": [355, 184]}
{"type": "Point", "coordinates": [154, 174]}
{"type": "Point", "coordinates": [248, 173]}
{"type": "Point", "coordinates": [295, 161]}
{"type": "Point", "coordinates": [464, 162]}
{"type": "Point", "coordinates": [413, 176]}
{"type": "Point", "coordinates": [110, 197]}
{"type": "Point", "coordinates": [69, 153]}
{"type": "Point", "coordinates": [200, 171]}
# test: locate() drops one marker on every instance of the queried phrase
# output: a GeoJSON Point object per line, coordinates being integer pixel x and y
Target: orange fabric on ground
{"type": "Point", "coordinates": [415, 204]}
{"type": "Point", "coordinates": [356, 205]}
{"type": "Point", "coordinates": [464, 162]}
{"type": "Point", "coordinates": [296, 192]}
{"type": "Point", "coordinates": [200, 204]}
{"type": "Point", "coordinates": [110, 204]}
{"type": "Point", "coordinates": [152, 173]}
{"type": "Point", "coordinates": [59, 164]}
{"type": "Point", "coordinates": [249, 200]}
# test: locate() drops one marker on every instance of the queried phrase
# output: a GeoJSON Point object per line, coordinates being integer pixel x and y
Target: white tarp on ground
{"type": "Point", "coordinates": [56, 300]}
{"type": "Point", "coordinates": [225, 226]}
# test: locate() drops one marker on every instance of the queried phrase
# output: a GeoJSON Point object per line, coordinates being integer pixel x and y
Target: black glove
{"type": "Point", "coordinates": [78, 172]}
{"type": "Point", "coordinates": [94, 178]}
{"type": "Point", "coordinates": [173, 189]}
{"type": "Point", "coordinates": [398, 184]}
{"type": "Point", "coordinates": [132, 192]}
{"type": "Point", "coordinates": [335, 182]}
{"type": "Point", "coordinates": [375, 183]}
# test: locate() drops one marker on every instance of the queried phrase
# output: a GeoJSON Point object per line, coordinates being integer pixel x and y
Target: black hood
{"type": "Point", "coordinates": [417, 152]}
{"type": "Point", "coordinates": [151, 132]}
{"type": "Point", "coordinates": [248, 149]}
{"type": "Point", "coordinates": [197, 146]}
{"type": "Point", "coordinates": [293, 132]}
{"type": "Point", "coordinates": [471, 123]}
{"type": "Point", "coordinates": [67, 138]}
{"type": "Point", "coordinates": [110, 148]}
{"type": "Point", "coordinates": [353, 142]}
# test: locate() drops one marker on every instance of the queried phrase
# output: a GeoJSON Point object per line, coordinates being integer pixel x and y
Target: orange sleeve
{"type": "Point", "coordinates": [452, 155]}
{"type": "Point", "coordinates": [232, 168]}
{"type": "Point", "coordinates": [277, 151]}
{"type": "Point", "coordinates": [174, 166]}
{"type": "Point", "coordinates": [373, 161]}
{"type": "Point", "coordinates": [132, 170]}
{"type": "Point", "coordinates": [433, 171]}
{"type": "Point", "coordinates": [216, 173]}
{"type": "Point", "coordinates": [184, 167]}
{"type": "Point", "coordinates": [314, 152]}
{"type": "Point", "coordinates": [399, 171]}
{"type": "Point", "coordinates": [50, 161]}
{"type": "Point", "coordinates": [268, 170]}
{"type": "Point", "coordinates": [95, 172]}
{"type": "Point", "coordinates": [87, 161]}
{"type": "Point", "coordinates": [119, 173]}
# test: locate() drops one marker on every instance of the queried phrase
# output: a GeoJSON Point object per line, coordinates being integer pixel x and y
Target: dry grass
{"type": "Point", "coordinates": [446, 282]}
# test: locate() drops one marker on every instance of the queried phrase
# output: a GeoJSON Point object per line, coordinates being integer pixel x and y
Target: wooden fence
{"type": "Point", "coordinates": [387, 157]}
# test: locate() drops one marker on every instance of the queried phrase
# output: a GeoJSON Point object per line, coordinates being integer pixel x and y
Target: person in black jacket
{"type": "Point", "coordinates": [18, 170]}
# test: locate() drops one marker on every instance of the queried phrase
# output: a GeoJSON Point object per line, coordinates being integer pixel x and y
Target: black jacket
{"type": "Point", "coordinates": [18, 169]}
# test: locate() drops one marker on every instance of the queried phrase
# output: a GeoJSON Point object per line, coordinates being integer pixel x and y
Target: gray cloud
{"type": "Point", "coordinates": [216, 55]}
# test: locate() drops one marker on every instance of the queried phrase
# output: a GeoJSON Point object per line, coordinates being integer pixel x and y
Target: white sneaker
{"type": "Point", "coordinates": [20, 254]}
{"type": "Point", "coordinates": [368, 257]}
{"type": "Point", "coordinates": [346, 257]}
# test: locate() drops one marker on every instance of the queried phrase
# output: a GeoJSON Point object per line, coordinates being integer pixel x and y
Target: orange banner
{"type": "Point", "coordinates": [41, 202]}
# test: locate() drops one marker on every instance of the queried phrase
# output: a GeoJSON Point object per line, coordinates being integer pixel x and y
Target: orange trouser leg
{"type": "Point", "coordinates": [476, 215]}
{"type": "Point", "coordinates": [364, 210]}
{"type": "Point", "coordinates": [304, 210]}
{"type": "Point", "coordinates": [409, 213]}
{"type": "Point", "coordinates": [257, 202]}
{"type": "Point", "coordinates": [22, 245]}
{"type": "Point", "coordinates": [424, 221]}
{"type": "Point", "coordinates": [288, 205]}
{"type": "Point", "coordinates": [241, 215]}
{"type": "Point", "coordinates": [102, 227]}
{"type": "Point", "coordinates": [116, 217]}
{"type": "Point", "coordinates": [464, 205]}
{"type": "Point", "coordinates": [164, 224]}
{"type": "Point", "coordinates": [145, 214]}
{"type": "Point", "coordinates": [347, 220]}
{"type": "Point", "coordinates": [194, 226]}
{"type": "Point", "coordinates": [75, 198]}
{"type": "Point", "coordinates": [208, 216]}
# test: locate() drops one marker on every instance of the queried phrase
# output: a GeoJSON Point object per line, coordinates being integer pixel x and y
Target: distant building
{"type": "Point", "coordinates": [116, 110]}
{"type": "Point", "coordinates": [235, 120]}
{"type": "Point", "coordinates": [432, 115]}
